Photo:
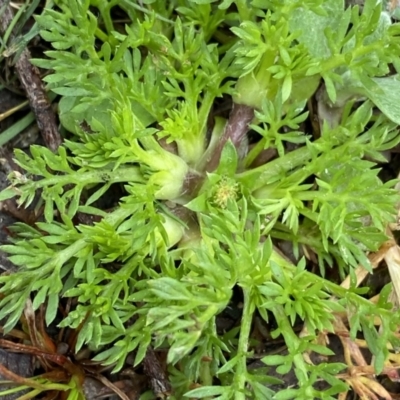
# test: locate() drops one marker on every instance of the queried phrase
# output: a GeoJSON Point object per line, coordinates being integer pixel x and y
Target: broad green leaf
{"type": "Point", "coordinates": [386, 96]}
{"type": "Point", "coordinates": [313, 26]}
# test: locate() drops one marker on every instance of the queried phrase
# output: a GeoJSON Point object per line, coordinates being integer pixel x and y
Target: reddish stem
{"type": "Point", "coordinates": [235, 130]}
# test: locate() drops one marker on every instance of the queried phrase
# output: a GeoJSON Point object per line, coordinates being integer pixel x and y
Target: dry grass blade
{"type": "Point", "coordinates": [392, 259]}
{"type": "Point", "coordinates": [113, 387]}
{"type": "Point", "coordinates": [11, 111]}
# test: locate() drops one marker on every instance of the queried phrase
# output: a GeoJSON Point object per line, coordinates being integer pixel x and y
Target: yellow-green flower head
{"type": "Point", "coordinates": [227, 189]}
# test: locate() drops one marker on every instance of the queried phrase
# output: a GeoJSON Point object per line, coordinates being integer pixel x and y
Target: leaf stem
{"type": "Point", "coordinates": [130, 174]}
{"type": "Point", "coordinates": [261, 176]}
{"type": "Point", "coordinates": [241, 367]}
{"type": "Point", "coordinates": [244, 10]}
{"type": "Point", "coordinates": [293, 342]}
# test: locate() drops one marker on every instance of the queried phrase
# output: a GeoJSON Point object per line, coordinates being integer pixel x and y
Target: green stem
{"type": "Point", "coordinates": [117, 216]}
{"type": "Point", "coordinates": [254, 152]}
{"type": "Point", "coordinates": [105, 8]}
{"type": "Point", "coordinates": [16, 128]}
{"type": "Point", "coordinates": [205, 110]}
{"type": "Point", "coordinates": [239, 382]}
{"type": "Point", "coordinates": [61, 257]}
{"type": "Point", "coordinates": [129, 4]}
{"type": "Point", "coordinates": [261, 176]}
{"type": "Point", "coordinates": [103, 37]}
{"type": "Point", "coordinates": [290, 336]}
{"type": "Point", "coordinates": [205, 374]}
{"type": "Point", "coordinates": [339, 60]}
{"type": "Point", "coordinates": [244, 10]}
{"type": "Point", "coordinates": [130, 174]}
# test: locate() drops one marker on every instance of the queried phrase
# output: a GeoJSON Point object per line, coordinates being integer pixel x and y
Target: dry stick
{"type": "Point", "coordinates": [12, 376]}
{"type": "Point", "coordinates": [112, 386]}
{"type": "Point", "coordinates": [30, 79]}
{"type": "Point", "coordinates": [158, 380]}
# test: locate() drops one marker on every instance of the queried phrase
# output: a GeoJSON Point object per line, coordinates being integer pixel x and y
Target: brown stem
{"type": "Point", "coordinates": [235, 130]}
{"type": "Point", "coordinates": [155, 372]}
{"type": "Point", "coordinates": [30, 79]}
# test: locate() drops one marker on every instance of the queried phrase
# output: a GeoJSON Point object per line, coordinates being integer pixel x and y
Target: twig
{"type": "Point", "coordinates": [30, 79]}
{"type": "Point", "coordinates": [154, 371]}
{"type": "Point", "coordinates": [111, 386]}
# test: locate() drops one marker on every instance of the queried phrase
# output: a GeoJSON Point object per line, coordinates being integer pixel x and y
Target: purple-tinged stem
{"type": "Point", "coordinates": [235, 130]}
